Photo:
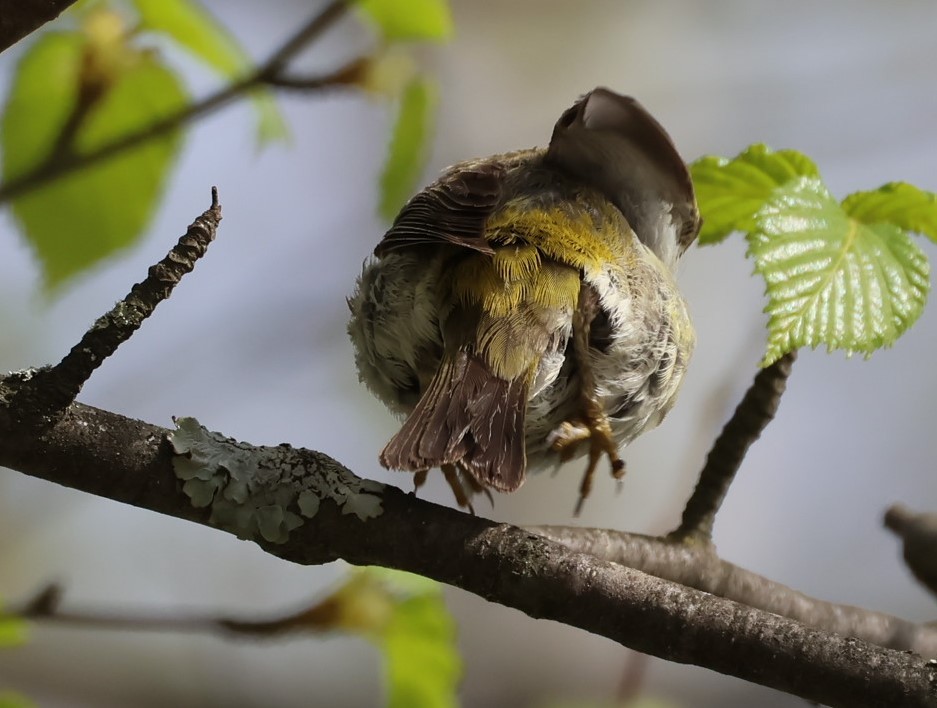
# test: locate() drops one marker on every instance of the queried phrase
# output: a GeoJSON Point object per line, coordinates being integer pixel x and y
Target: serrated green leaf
{"type": "Point", "coordinates": [898, 203]}
{"type": "Point", "coordinates": [729, 192]}
{"type": "Point", "coordinates": [403, 20]}
{"type": "Point", "coordinates": [422, 662]}
{"type": "Point", "coordinates": [189, 24]}
{"type": "Point", "coordinates": [409, 144]}
{"type": "Point", "coordinates": [75, 222]}
{"type": "Point", "coordinates": [832, 280]}
{"type": "Point", "coordinates": [11, 699]}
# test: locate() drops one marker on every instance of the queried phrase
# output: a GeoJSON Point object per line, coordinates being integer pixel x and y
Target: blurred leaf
{"type": "Point", "coordinates": [388, 72]}
{"type": "Point", "coordinates": [13, 631]}
{"type": "Point", "coordinates": [75, 222]}
{"type": "Point", "coordinates": [194, 28]}
{"type": "Point", "coordinates": [409, 144]}
{"type": "Point", "coordinates": [423, 664]}
{"type": "Point", "coordinates": [729, 192]}
{"type": "Point", "coordinates": [11, 699]}
{"type": "Point", "coordinates": [406, 617]}
{"type": "Point", "coordinates": [831, 279]}
{"type": "Point", "coordinates": [403, 20]}
{"type": "Point", "coordinates": [898, 203]}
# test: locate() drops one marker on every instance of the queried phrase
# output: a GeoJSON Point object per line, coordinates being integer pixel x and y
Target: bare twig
{"type": "Point", "coordinates": [698, 566]}
{"type": "Point", "coordinates": [269, 73]}
{"type": "Point", "coordinates": [19, 18]}
{"type": "Point", "coordinates": [918, 533]}
{"type": "Point", "coordinates": [46, 394]}
{"type": "Point", "coordinates": [319, 616]}
{"type": "Point", "coordinates": [752, 415]}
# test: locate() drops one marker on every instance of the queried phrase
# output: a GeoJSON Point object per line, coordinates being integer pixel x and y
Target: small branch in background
{"type": "Point", "coordinates": [752, 415]}
{"type": "Point", "coordinates": [698, 566]}
{"type": "Point", "coordinates": [347, 75]}
{"type": "Point", "coordinates": [270, 73]}
{"type": "Point", "coordinates": [48, 392]}
{"type": "Point", "coordinates": [18, 18]}
{"type": "Point", "coordinates": [320, 616]}
{"type": "Point", "coordinates": [919, 535]}
{"type": "Point", "coordinates": [305, 36]}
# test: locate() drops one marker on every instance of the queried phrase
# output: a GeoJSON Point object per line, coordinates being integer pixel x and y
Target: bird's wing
{"type": "Point", "coordinates": [453, 210]}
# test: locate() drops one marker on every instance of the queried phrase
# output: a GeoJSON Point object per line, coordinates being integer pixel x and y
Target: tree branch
{"type": "Point", "coordinates": [698, 566]}
{"type": "Point", "coordinates": [19, 18]}
{"type": "Point", "coordinates": [132, 462]}
{"type": "Point", "coordinates": [270, 73]}
{"type": "Point", "coordinates": [319, 616]}
{"type": "Point", "coordinates": [45, 394]}
{"type": "Point", "coordinates": [751, 417]}
{"type": "Point", "coordinates": [918, 533]}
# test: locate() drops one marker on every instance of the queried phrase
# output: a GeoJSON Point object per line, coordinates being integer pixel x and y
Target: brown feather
{"type": "Point", "coordinates": [452, 210]}
{"type": "Point", "coordinates": [468, 416]}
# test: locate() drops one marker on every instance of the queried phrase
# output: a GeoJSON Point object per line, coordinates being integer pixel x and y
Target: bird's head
{"type": "Point", "coordinates": [613, 144]}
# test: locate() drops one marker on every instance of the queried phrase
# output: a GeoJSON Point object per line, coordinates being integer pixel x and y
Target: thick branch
{"type": "Point", "coordinates": [130, 461]}
{"type": "Point", "coordinates": [697, 566]}
{"type": "Point", "coordinates": [751, 417]}
{"type": "Point", "coordinates": [19, 18]}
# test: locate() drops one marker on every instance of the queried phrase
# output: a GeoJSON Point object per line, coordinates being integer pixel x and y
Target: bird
{"type": "Point", "coordinates": [522, 310]}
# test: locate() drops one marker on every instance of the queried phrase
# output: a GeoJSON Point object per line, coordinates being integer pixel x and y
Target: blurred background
{"type": "Point", "coordinates": [253, 344]}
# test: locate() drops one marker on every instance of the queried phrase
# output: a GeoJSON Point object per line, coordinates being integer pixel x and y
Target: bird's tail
{"type": "Point", "coordinates": [468, 416]}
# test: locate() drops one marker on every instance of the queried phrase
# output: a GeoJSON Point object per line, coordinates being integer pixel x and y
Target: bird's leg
{"type": "Point", "coordinates": [450, 472]}
{"type": "Point", "coordinates": [419, 479]}
{"type": "Point", "coordinates": [473, 484]}
{"type": "Point", "coordinates": [594, 425]}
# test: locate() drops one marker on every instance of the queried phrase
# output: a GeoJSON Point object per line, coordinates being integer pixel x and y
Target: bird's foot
{"type": "Point", "coordinates": [566, 439]}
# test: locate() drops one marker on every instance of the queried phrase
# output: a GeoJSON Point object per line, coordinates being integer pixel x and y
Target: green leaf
{"type": "Point", "coordinates": [189, 24]}
{"type": "Point", "coordinates": [898, 203]}
{"type": "Point", "coordinates": [403, 20]}
{"type": "Point", "coordinates": [422, 662]}
{"type": "Point", "coordinates": [13, 631]}
{"type": "Point", "coordinates": [729, 192]}
{"type": "Point", "coordinates": [406, 617]}
{"type": "Point", "coordinates": [11, 699]}
{"type": "Point", "coordinates": [409, 144]}
{"type": "Point", "coordinates": [831, 279]}
{"type": "Point", "coordinates": [75, 222]}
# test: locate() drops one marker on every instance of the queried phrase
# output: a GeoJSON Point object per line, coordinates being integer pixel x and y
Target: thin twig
{"type": "Point", "coordinates": [752, 415]}
{"type": "Point", "coordinates": [48, 392]}
{"type": "Point", "coordinates": [44, 607]}
{"type": "Point", "coordinates": [309, 32]}
{"type": "Point", "coordinates": [698, 566]}
{"type": "Point", "coordinates": [266, 74]}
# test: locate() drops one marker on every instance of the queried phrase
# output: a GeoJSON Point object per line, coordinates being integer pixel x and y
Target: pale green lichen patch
{"type": "Point", "coordinates": [263, 491]}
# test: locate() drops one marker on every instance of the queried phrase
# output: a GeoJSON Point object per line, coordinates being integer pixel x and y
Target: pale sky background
{"type": "Point", "coordinates": [253, 344]}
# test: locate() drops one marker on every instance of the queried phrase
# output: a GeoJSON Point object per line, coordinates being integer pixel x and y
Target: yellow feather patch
{"type": "Point", "coordinates": [583, 236]}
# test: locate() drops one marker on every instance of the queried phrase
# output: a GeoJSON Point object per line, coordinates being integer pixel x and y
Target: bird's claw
{"type": "Point", "coordinates": [565, 441]}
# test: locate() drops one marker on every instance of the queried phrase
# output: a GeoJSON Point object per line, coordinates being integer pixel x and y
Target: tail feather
{"type": "Point", "coordinates": [469, 416]}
